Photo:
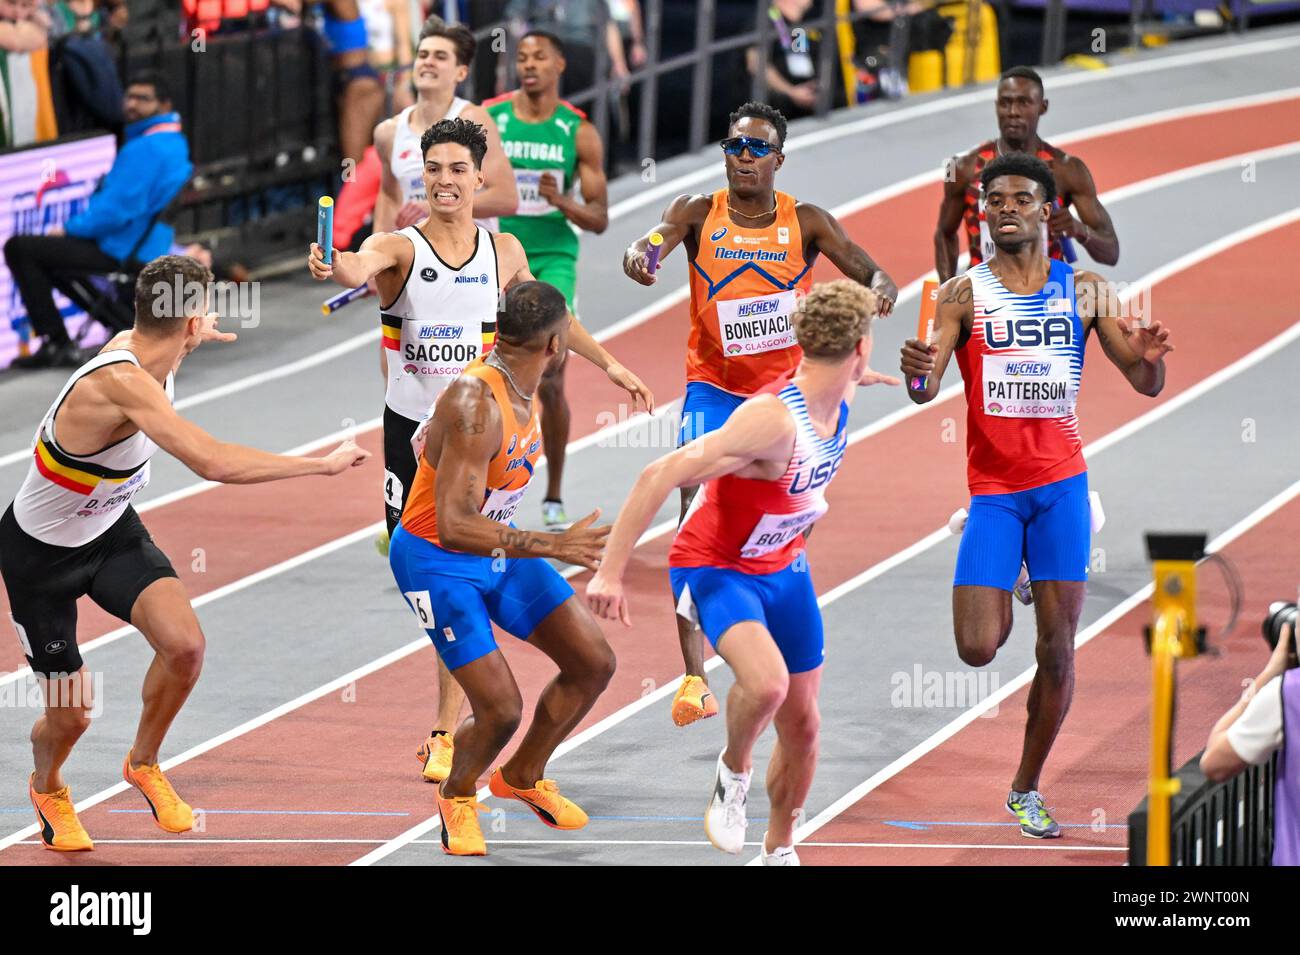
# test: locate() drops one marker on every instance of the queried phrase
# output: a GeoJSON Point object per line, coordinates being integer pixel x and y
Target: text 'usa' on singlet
{"type": "Point", "coordinates": [443, 319]}
{"type": "Point", "coordinates": [508, 473]}
{"type": "Point", "coordinates": [744, 287]}
{"type": "Point", "coordinates": [1021, 369]}
{"type": "Point", "coordinates": [757, 526]}
{"type": "Point", "coordinates": [71, 499]}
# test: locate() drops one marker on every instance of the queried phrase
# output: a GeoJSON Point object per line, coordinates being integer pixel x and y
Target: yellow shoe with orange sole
{"type": "Point", "coordinates": [694, 701]}
{"type": "Point", "coordinates": [544, 799]}
{"type": "Point", "coordinates": [461, 835]}
{"type": "Point", "coordinates": [435, 755]}
{"type": "Point", "coordinates": [61, 830]}
{"type": "Point", "coordinates": [171, 812]}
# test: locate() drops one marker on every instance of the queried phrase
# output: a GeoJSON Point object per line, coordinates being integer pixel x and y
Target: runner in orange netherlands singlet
{"type": "Point", "coordinates": [750, 251]}
{"type": "Point", "coordinates": [744, 282]}
{"type": "Point", "coordinates": [462, 565]}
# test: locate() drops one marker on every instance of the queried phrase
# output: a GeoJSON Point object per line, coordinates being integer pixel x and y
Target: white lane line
{"type": "Point", "coordinates": [951, 729]}
{"type": "Point", "coordinates": [682, 293]}
{"type": "Point", "coordinates": [960, 101]}
{"type": "Point", "coordinates": [940, 534]}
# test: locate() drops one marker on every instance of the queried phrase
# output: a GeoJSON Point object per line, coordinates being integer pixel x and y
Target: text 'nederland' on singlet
{"type": "Point", "coordinates": [535, 148]}
{"type": "Point", "coordinates": [406, 161]}
{"type": "Point", "coordinates": [757, 526]}
{"type": "Point", "coordinates": [745, 283]}
{"type": "Point", "coordinates": [71, 499]}
{"type": "Point", "coordinates": [443, 319]}
{"type": "Point", "coordinates": [1021, 369]}
{"type": "Point", "coordinates": [509, 471]}
{"type": "Point", "coordinates": [978, 238]}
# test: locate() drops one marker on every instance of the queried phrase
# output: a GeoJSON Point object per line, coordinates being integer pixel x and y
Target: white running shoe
{"type": "Point", "coordinates": [781, 855]}
{"type": "Point", "coordinates": [724, 820]}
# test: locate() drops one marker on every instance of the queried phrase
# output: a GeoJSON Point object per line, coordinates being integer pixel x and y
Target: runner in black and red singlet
{"type": "Point", "coordinates": [1020, 105]}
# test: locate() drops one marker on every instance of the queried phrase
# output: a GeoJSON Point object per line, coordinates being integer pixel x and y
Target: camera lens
{"type": "Point", "coordinates": [1280, 614]}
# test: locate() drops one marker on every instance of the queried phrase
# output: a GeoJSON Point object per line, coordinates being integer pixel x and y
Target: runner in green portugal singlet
{"type": "Point", "coordinates": [553, 149]}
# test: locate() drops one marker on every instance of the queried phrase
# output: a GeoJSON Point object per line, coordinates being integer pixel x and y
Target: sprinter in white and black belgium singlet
{"type": "Point", "coordinates": [443, 319]}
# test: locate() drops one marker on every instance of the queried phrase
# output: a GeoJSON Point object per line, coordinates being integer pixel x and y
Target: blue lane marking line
{"type": "Point", "coordinates": [922, 826]}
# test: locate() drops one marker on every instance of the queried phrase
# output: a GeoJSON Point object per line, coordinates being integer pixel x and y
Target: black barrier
{"type": "Point", "coordinates": [1214, 824]}
{"type": "Point", "coordinates": [257, 107]}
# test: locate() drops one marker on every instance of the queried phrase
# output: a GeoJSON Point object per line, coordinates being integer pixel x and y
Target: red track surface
{"type": "Point", "coordinates": [374, 771]}
{"type": "Point", "coordinates": [1100, 759]}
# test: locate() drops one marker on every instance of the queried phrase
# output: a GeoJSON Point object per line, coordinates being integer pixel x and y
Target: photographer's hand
{"type": "Point", "coordinates": [1279, 661]}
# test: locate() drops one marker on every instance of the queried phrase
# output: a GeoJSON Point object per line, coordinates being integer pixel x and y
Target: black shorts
{"type": "Point", "coordinates": [44, 582]}
{"type": "Point", "coordinates": [399, 464]}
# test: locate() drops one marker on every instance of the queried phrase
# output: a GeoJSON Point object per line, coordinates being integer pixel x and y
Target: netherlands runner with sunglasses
{"type": "Point", "coordinates": [750, 251]}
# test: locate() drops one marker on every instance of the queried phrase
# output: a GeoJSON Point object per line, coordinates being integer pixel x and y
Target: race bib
{"type": "Point", "coordinates": [1019, 386]}
{"type": "Point", "coordinates": [113, 495]}
{"type": "Point", "coordinates": [750, 326]}
{"type": "Point", "coordinates": [415, 190]}
{"type": "Point", "coordinates": [501, 505]}
{"type": "Point", "coordinates": [528, 182]}
{"type": "Point", "coordinates": [774, 531]}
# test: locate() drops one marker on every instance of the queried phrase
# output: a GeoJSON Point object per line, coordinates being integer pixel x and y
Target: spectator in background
{"type": "Point", "coordinates": [578, 25]}
{"type": "Point", "coordinates": [25, 67]}
{"type": "Point", "coordinates": [392, 48]}
{"type": "Point", "coordinates": [629, 53]}
{"type": "Point", "coordinates": [119, 228]}
{"type": "Point", "coordinates": [74, 16]}
{"type": "Point", "coordinates": [1264, 720]}
{"type": "Point", "coordinates": [791, 59]}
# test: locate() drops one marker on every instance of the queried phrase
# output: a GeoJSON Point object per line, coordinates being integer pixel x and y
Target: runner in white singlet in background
{"type": "Point", "coordinates": [442, 61]}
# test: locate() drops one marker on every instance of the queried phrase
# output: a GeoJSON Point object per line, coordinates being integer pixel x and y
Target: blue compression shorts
{"type": "Point", "coordinates": [706, 408]}
{"type": "Point", "coordinates": [784, 602]}
{"type": "Point", "coordinates": [459, 596]}
{"type": "Point", "coordinates": [1048, 528]}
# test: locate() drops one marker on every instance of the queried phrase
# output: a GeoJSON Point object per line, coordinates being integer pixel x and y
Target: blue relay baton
{"type": "Point", "coordinates": [325, 228]}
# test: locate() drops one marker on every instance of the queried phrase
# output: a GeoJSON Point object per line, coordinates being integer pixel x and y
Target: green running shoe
{"type": "Point", "coordinates": [1032, 815]}
{"type": "Point", "coordinates": [553, 516]}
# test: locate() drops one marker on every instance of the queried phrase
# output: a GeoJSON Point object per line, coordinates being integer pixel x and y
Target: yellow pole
{"type": "Point", "coordinates": [972, 41]}
{"type": "Point", "coordinates": [1172, 636]}
{"type": "Point", "coordinates": [1160, 787]}
{"type": "Point", "coordinates": [844, 29]}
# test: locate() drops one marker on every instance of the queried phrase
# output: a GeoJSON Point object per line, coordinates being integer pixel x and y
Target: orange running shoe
{"type": "Point", "coordinates": [61, 830]}
{"type": "Point", "coordinates": [435, 755]}
{"type": "Point", "coordinates": [544, 799]}
{"type": "Point", "coordinates": [461, 835]}
{"type": "Point", "coordinates": [171, 812]}
{"type": "Point", "coordinates": [694, 701]}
